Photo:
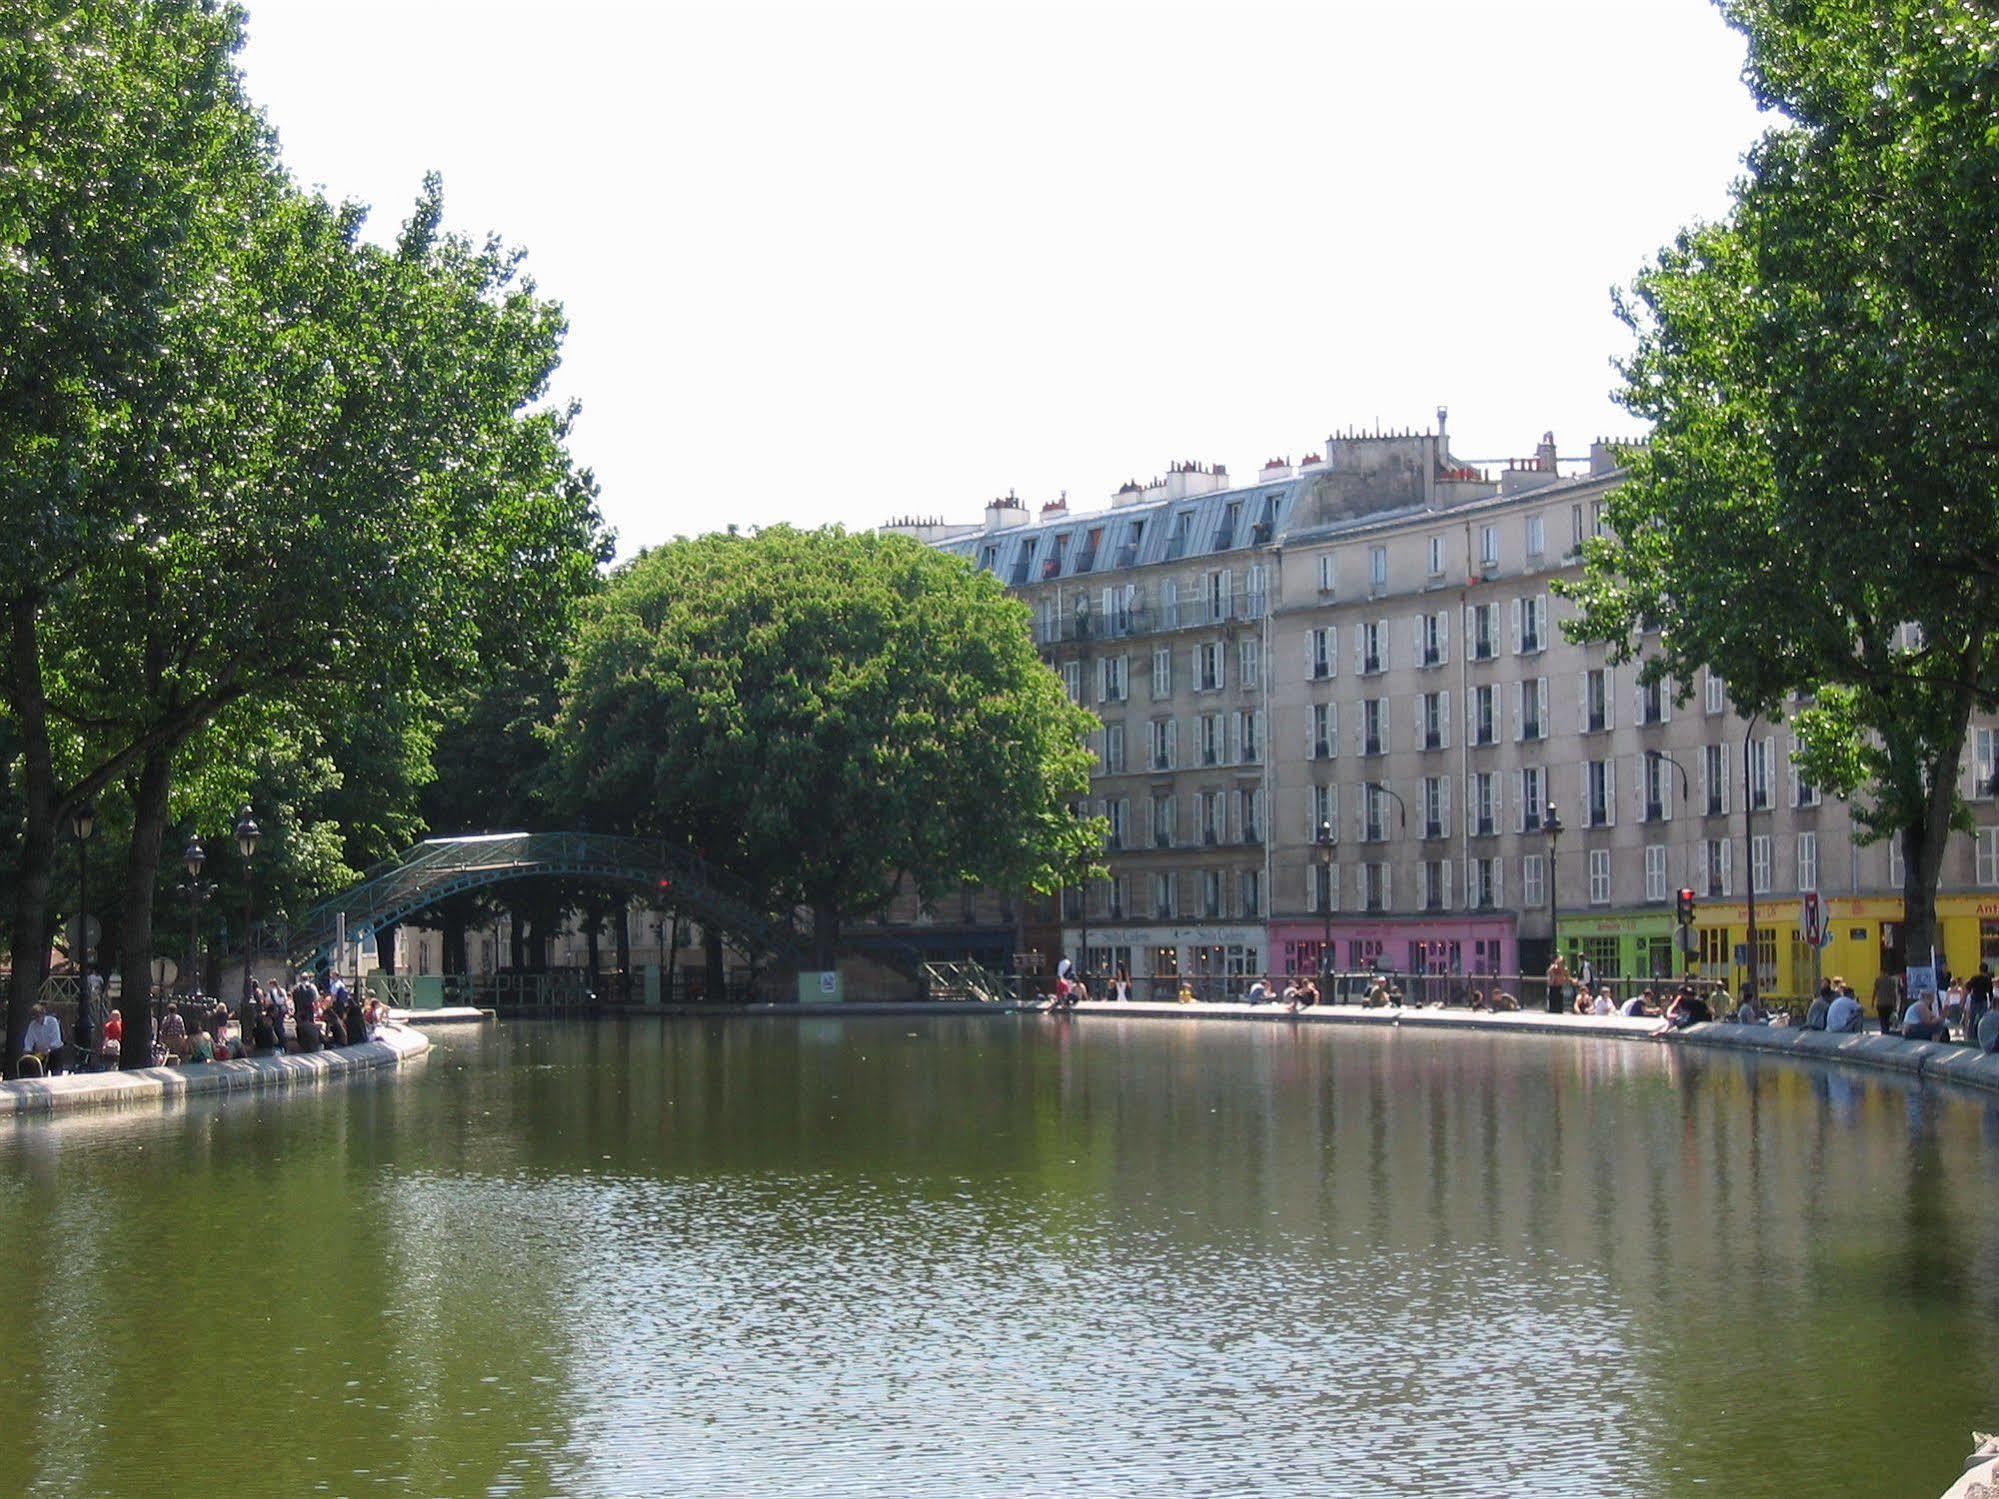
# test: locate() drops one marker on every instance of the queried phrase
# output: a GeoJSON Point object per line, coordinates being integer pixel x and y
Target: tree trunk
{"type": "Point", "coordinates": [1925, 841]}
{"type": "Point", "coordinates": [454, 939]}
{"type": "Point", "coordinates": [717, 979]}
{"type": "Point", "coordinates": [38, 832]}
{"type": "Point", "coordinates": [149, 824]}
{"type": "Point", "coordinates": [825, 934]}
{"type": "Point", "coordinates": [517, 953]}
{"type": "Point", "coordinates": [537, 953]}
{"type": "Point", "coordinates": [672, 957]}
{"type": "Point", "coordinates": [621, 935]}
{"type": "Point", "coordinates": [385, 948]}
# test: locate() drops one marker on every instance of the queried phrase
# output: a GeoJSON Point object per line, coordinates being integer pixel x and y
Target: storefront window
{"type": "Point", "coordinates": [1658, 957]}
{"type": "Point", "coordinates": [1988, 942]}
{"type": "Point", "coordinates": [1166, 962]}
{"type": "Point", "coordinates": [1603, 956]}
{"type": "Point", "coordinates": [1302, 957]}
{"type": "Point", "coordinates": [1363, 953]}
{"type": "Point", "coordinates": [1714, 949]}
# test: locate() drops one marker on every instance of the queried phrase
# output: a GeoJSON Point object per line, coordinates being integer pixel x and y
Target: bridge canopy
{"type": "Point", "coordinates": [400, 888]}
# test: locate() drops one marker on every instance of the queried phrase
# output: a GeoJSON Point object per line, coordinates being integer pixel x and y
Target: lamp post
{"type": "Point", "coordinates": [1326, 906]}
{"type": "Point", "coordinates": [247, 834]}
{"type": "Point", "coordinates": [196, 895]}
{"type": "Point", "coordinates": [1083, 910]}
{"type": "Point", "coordinates": [83, 823]}
{"type": "Point", "coordinates": [1552, 826]}
{"type": "Point", "coordinates": [1653, 756]}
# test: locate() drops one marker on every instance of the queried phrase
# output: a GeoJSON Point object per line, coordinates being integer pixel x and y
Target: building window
{"type": "Point", "coordinates": [1322, 651]}
{"type": "Point", "coordinates": [1377, 568]}
{"type": "Point", "coordinates": [1249, 664]}
{"type": "Point", "coordinates": [1655, 701]}
{"type": "Point", "coordinates": [1119, 901]}
{"type": "Point", "coordinates": [1111, 671]}
{"type": "Point", "coordinates": [1211, 738]}
{"type": "Point", "coordinates": [1165, 744]}
{"type": "Point", "coordinates": [1374, 887]}
{"type": "Point", "coordinates": [1325, 739]}
{"type": "Point", "coordinates": [1249, 891]}
{"type": "Point", "coordinates": [1761, 754]}
{"type": "Point", "coordinates": [1537, 536]}
{"type": "Point", "coordinates": [1759, 864]}
{"type": "Point", "coordinates": [1433, 884]}
{"type": "Point", "coordinates": [1162, 821]}
{"type": "Point", "coordinates": [1984, 763]}
{"type": "Point", "coordinates": [1596, 700]}
{"type": "Point", "coordinates": [1530, 624]}
{"type": "Point", "coordinates": [1327, 574]}
{"type": "Point", "coordinates": [1599, 876]}
{"type": "Point", "coordinates": [1655, 872]}
{"type": "Point", "coordinates": [1374, 726]}
{"type": "Point", "coordinates": [1805, 794]}
{"type": "Point", "coordinates": [1658, 789]}
{"type": "Point", "coordinates": [1484, 631]}
{"type": "Point", "coordinates": [1488, 546]}
{"type": "Point", "coordinates": [1481, 710]}
{"type": "Point", "coordinates": [1436, 552]}
{"type": "Point", "coordinates": [1808, 861]}
{"type": "Point", "coordinates": [1715, 875]}
{"type": "Point", "coordinates": [1208, 674]}
{"type": "Point", "coordinates": [1117, 812]}
{"type": "Point", "coordinates": [1165, 896]}
{"type": "Point", "coordinates": [1433, 638]}
{"type": "Point", "coordinates": [1072, 680]}
{"type": "Point", "coordinates": [1113, 749]}
{"type": "Point", "coordinates": [1530, 709]}
{"type": "Point", "coordinates": [1371, 644]}
{"type": "Point", "coordinates": [1714, 779]}
{"type": "Point", "coordinates": [1481, 884]}
{"type": "Point", "coordinates": [1987, 846]}
{"type": "Point", "coordinates": [1481, 807]}
{"type": "Point", "coordinates": [1533, 798]}
{"type": "Point", "coordinates": [1599, 793]}
{"type": "Point", "coordinates": [1715, 694]}
{"type": "Point", "coordinates": [1325, 813]}
{"type": "Point", "coordinates": [1162, 673]}
{"type": "Point", "coordinates": [1533, 886]}
{"type": "Point", "coordinates": [1214, 816]}
{"type": "Point", "coordinates": [1433, 720]}
{"type": "Point", "coordinates": [1436, 806]}
{"type": "Point", "coordinates": [1895, 864]}
{"type": "Point", "coordinates": [1322, 887]}
{"type": "Point", "coordinates": [1248, 738]}
{"type": "Point", "coordinates": [1374, 823]}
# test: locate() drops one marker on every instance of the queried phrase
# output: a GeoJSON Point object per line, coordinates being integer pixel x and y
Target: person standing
{"type": "Point", "coordinates": [1559, 980]}
{"type": "Point", "coordinates": [44, 1039]}
{"type": "Point", "coordinates": [1887, 1001]}
{"type": "Point", "coordinates": [1977, 1000]}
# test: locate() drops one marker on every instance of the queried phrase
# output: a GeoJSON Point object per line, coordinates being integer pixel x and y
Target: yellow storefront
{"type": "Point", "coordinates": [1866, 932]}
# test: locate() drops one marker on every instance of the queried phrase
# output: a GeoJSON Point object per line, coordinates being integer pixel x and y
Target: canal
{"type": "Point", "coordinates": [1009, 1255]}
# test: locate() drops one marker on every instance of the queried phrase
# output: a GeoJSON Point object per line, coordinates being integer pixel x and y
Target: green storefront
{"type": "Point", "coordinates": [1623, 944]}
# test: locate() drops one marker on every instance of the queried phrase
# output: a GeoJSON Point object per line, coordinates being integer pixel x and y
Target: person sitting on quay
{"type": "Point", "coordinates": [1303, 994]}
{"type": "Point", "coordinates": [1186, 994]}
{"type": "Point", "coordinates": [43, 1042]}
{"type": "Point", "coordinates": [200, 1047]}
{"type": "Point", "coordinates": [173, 1032]}
{"type": "Point", "coordinates": [1923, 1022]}
{"type": "Point", "coordinates": [1842, 1016]}
{"type": "Point", "coordinates": [1688, 1008]}
{"type": "Point", "coordinates": [305, 1017]}
{"type": "Point", "coordinates": [1120, 991]}
{"type": "Point", "coordinates": [1639, 1006]}
{"type": "Point", "coordinates": [112, 1041]}
{"type": "Point", "coordinates": [1504, 1001]}
{"type": "Point", "coordinates": [1259, 992]}
{"type": "Point", "coordinates": [1821, 1003]}
{"type": "Point", "coordinates": [1602, 1003]}
{"type": "Point", "coordinates": [1378, 995]}
{"type": "Point", "coordinates": [1749, 1012]}
{"type": "Point", "coordinates": [1988, 1031]}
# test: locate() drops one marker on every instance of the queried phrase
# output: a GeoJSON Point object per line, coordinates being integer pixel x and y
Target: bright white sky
{"type": "Point", "coordinates": [837, 261]}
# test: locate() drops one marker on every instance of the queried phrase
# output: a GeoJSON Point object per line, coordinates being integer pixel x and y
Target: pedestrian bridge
{"type": "Point", "coordinates": [399, 888]}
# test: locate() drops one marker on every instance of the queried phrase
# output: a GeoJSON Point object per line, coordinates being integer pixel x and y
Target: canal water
{"type": "Point", "coordinates": [1008, 1255]}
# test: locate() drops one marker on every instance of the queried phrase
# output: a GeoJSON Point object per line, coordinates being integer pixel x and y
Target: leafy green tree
{"type": "Point", "coordinates": [821, 712]}
{"type": "Point", "coordinates": [1821, 370]}
{"type": "Point", "coordinates": [308, 464]}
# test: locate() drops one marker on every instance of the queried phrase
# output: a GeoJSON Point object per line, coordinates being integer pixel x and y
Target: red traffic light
{"type": "Point", "coordinates": [1686, 906]}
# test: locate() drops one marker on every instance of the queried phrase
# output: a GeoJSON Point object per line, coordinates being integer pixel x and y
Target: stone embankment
{"type": "Point", "coordinates": [152, 1086]}
{"type": "Point", "coordinates": [1927, 1059]}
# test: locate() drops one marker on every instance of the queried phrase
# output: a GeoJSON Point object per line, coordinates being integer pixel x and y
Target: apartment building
{"type": "Point", "coordinates": [1338, 706]}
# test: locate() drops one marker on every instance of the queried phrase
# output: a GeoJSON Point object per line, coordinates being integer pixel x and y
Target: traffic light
{"type": "Point", "coordinates": [1686, 907]}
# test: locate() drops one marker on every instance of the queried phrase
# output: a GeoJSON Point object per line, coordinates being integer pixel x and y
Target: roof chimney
{"type": "Point", "coordinates": [1005, 513]}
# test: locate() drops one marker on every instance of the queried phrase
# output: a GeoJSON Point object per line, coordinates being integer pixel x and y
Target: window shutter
{"type": "Point", "coordinates": [1311, 654]}
{"type": "Point", "coordinates": [1727, 872]}
{"type": "Point", "coordinates": [1381, 632]}
{"type": "Point", "coordinates": [1519, 699]}
{"type": "Point", "coordinates": [1443, 635]}
{"type": "Point", "coordinates": [1332, 650]}
{"type": "Point", "coordinates": [1666, 699]}
{"type": "Point", "coordinates": [1444, 801]}
{"type": "Point", "coordinates": [1445, 868]}
{"type": "Point", "coordinates": [1519, 801]}
{"type": "Point", "coordinates": [1387, 896]}
{"type": "Point", "coordinates": [1516, 626]}
{"type": "Point", "coordinates": [1727, 764]}
{"type": "Point", "coordinates": [1610, 790]}
{"type": "Point", "coordinates": [1360, 647]}
{"type": "Point", "coordinates": [1420, 620]}
{"type": "Point", "coordinates": [1498, 882]}
{"type": "Point", "coordinates": [1583, 801]}
{"type": "Point", "coordinates": [1423, 885]}
{"type": "Point", "coordinates": [1609, 697]}
{"type": "Point", "coordinates": [1541, 704]}
{"type": "Point", "coordinates": [1420, 699]}
{"type": "Point", "coordinates": [1172, 743]}
{"type": "Point", "coordinates": [1638, 702]}
{"type": "Point", "coordinates": [1582, 701]}
{"type": "Point", "coordinates": [1444, 717]}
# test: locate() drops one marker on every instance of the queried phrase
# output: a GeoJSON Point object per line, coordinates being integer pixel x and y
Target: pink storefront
{"type": "Point", "coordinates": [1435, 950]}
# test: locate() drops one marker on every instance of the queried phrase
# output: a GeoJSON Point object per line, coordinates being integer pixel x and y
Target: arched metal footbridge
{"type": "Point", "coordinates": [399, 888]}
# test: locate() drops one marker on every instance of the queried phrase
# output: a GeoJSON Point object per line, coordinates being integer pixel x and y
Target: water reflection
{"type": "Point", "coordinates": [975, 1255]}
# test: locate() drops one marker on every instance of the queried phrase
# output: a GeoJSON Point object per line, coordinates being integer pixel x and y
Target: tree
{"type": "Point", "coordinates": [820, 713]}
{"type": "Point", "coordinates": [308, 464]}
{"type": "Point", "coordinates": [1817, 510]}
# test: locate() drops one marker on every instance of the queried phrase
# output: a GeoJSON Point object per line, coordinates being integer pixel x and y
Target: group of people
{"type": "Point", "coordinates": [1298, 993]}
{"type": "Point", "coordinates": [270, 1021]}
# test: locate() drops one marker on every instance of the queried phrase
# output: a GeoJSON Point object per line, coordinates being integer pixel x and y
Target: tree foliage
{"type": "Point", "coordinates": [823, 712]}
{"type": "Point", "coordinates": [1821, 370]}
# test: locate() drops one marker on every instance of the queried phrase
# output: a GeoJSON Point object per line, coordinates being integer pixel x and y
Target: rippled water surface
{"type": "Point", "coordinates": [1008, 1256]}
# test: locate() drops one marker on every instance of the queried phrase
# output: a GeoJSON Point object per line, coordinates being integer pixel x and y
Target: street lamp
{"type": "Point", "coordinates": [247, 834]}
{"type": "Point", "coordinates": [1552, 826]}
{"type": "Point", "coordinates": [83, 823]}
{"type": "Point", "coordinates": [1326, 905]}
{"type": "Point", "coordinates": [1755, 972]}
{"type": "Point", "coordinates": [196, 895]}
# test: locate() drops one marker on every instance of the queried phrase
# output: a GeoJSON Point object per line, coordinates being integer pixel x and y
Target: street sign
{"type": "Point", "coordinates": [1741, 954]}
{"type": "Point", "coordinates": [1683, 938]}
{"type": "Point", "coordinates": [1027, 962]}
{"type": "Point", "coordinates": [1811, 919]}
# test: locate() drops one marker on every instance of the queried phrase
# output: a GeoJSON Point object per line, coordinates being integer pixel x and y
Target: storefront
{"type": "Point", "coordinates": [1218, 961]}
{"type": "Point", "coordinates": [1430, 955]}
{"type": "Point", "coordinates": [1624, 944]}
